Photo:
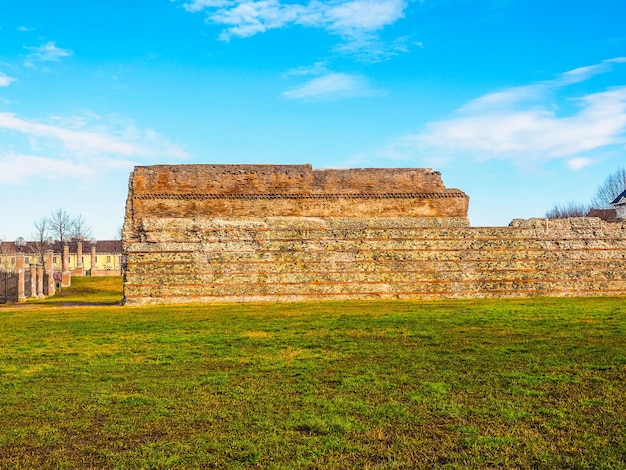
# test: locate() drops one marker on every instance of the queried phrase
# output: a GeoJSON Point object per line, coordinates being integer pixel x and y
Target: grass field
{"type": "Point", "coordinates": [535, 383]}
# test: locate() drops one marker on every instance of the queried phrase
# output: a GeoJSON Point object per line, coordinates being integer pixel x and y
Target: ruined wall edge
{"type": "Point", "coordinates": [190, 241]}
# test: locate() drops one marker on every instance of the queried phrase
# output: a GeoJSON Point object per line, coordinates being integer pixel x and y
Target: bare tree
{"type": "Point", "coordinates": [80, 230]}
{"type": "Point", "coordinates": [613, 186]}
{"type": "Point", "coordinates": [42, 239]}
{"type": "Point", "coordinates": [4, 249]}
{"type": "Point", "coordinates": [571, 209]}
{"type": "Point", "coordinates": [61, 226]}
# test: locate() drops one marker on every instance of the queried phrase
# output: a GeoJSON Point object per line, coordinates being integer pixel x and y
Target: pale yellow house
{"type": "Point", "coordinates": [102, 258]}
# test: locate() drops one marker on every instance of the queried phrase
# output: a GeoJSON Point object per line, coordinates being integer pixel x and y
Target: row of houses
{"type": "Point", "coordinates": [100, 258]}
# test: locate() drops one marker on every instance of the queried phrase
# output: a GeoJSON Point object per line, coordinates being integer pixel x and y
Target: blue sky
{"type": "Point", "coordinates": [519, 103]}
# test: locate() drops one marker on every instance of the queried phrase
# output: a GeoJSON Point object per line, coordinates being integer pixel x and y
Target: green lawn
{"type": "Point", "coordinates": [535, 383]}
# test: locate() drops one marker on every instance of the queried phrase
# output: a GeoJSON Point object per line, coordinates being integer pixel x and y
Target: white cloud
{"type": "Point", "coordinates": [352, 18]}
{"type": "Point", "coordinates": [513, 98]}
{"type": "Point", "coordinates": [248, 18]}
{"type": "Point", "coordinates": [535, 131]}
{"type": "Point", "coordinates": [76, 147]}
{"type": "Point", "coordinates": [367, 47]}
{"type": "Point", "coordinates": [5, 80]}
{"type": "Point", "coordinates": [581, 74]}
{"type": "Point", "coordinates": [17, 168]}
{"type": "Point", "coordinates": [521, 124]}
{"type": "Point", "coordinates": [331, 86]}
{"type": "Point", "coordinates": [84, 141]}
{"type": "Point", "coordinates": [357, 22]}
{"type": "Point", "coordinates": [579, 163]}
{"type": "Point", "coordinates": [81, 138]}
{"type": "Point", "coordinates": [199, 5]}
{"type": "Point", "coordinates": [318, 68]}
{"type": "Point", "coordinates": [47, 52]}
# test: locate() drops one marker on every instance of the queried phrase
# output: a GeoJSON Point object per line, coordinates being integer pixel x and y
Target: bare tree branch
{"type": "Point", "coordinates": [571, 209]}
{"type": "Point", "coordinates": [80, 230]}
{"type": "Point", "coordinates": [613, 186]}
{"type": "Point", "coordinates": [61, 226]}
{"type": "Point", "coordinates": [42, 239]}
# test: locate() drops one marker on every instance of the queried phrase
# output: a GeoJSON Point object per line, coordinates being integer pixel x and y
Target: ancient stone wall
{"type": "Point", "coordinates": [188, 191]}
{"type": "Point", "coordinates": [406, 237]}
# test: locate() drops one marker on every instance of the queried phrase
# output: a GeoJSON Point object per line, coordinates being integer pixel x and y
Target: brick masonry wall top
{"type": "Point", "coordinates": [281, 179]}
{"type": "Point", "coordinates": [288, 191]}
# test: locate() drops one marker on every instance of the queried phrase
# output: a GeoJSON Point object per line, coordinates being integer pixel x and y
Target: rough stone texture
{"type": "Point", "coordinates": [398, 234]}
{"type": "Point", "coordinates": [187, 191]}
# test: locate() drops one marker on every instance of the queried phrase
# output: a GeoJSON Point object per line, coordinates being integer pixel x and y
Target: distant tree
{"type": "Point", "coordinates": [41, 238]}
{"type": "Point", "coordinates": [571, 209]}
{"type": "Point", "coordinates": [613, 186]}
{"type": "Point", "coordinates": [2, 251]}
{"type": "Point", "coordinates": [80, 230]}
{"type": "Point", "coordinates": [119, 235]}
{"type": "Point", "coordinates": [61, 226]}
{"type": "Point", "coordinates": [20, 243]}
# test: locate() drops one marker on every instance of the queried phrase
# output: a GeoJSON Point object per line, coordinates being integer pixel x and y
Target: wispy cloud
{"type": "Point", "coordinates": [318, 68]}
{"type": "Point", "coordinates": [353, 18]}
{"type": "Point", "coordinates": [5, 80]}
{"type": "Point", "coordinates": [357, 22]}
{"type": "Point", "coordinates": [17, 168]}
{"type": "Point", "coordinates": [79, 146]}
{"type": "Point", "coordinates": [582, 74]}
{"type": "Point", "coordinates": [199, 5]}
{"type": "Point", "coordinates": [246, 19]}
{"type": "Point", "coordinates": [523, 124]}
{"type": "Point", "coordinates": [127, 142]}
{"type": "Point", "coordinates": [326, 85]}
{"type": "Point", "coordinates": [579, 163]}
{"type": "Point", "coordinates": [331, 86]}
{"type": "Point", "coordinates": [48, 52]}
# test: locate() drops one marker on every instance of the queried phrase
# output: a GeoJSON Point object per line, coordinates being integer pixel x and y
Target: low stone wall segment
{"type": "Point", "coordinates": [286, 259]}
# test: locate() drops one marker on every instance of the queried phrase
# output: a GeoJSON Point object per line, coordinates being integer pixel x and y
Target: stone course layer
{"type": "Point", "coordinates": [206, 233]}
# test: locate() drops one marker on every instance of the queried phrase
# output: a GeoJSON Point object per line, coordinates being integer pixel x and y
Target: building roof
{"type": "Point", "coordinates": [10, 248]}
{"type": "Point", "coordinates": [102, 246]}
{"type": "Point", "coordinates": [109, 246]}
{"type": "Point", "coordinates": [608, 215]}
{"type": "Point", "coordinates": [619, 198]}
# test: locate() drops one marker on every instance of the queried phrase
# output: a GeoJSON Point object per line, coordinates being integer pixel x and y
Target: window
{"type": "Point", "coordinates": [108, 259]}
